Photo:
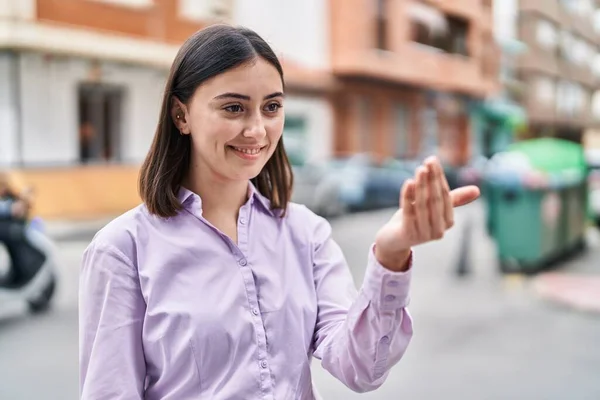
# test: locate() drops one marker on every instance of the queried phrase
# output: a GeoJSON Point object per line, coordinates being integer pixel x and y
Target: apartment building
{"type": "Point", "coordinates": [560, 71]}
{"type": "Point", "coordinates": [81, 82]}
{"type": "Point", "coordinates": [410, 72]}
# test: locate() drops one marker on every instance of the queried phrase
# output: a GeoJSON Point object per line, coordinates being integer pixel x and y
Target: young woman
{"type": "Point", "coordinates": [217, 287]}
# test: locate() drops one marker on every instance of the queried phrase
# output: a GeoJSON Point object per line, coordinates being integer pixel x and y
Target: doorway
{"type": "Point", "coordinates": [100, 117]}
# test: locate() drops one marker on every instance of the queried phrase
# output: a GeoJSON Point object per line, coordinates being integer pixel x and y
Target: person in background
{"type": "Point", "coordinates": [219, 287]}
{"type": "Point", "coordinates": [13, 205]}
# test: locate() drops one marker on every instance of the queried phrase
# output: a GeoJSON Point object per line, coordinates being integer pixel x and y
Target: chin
{"type": "Point", "coordinates": [245, 173]}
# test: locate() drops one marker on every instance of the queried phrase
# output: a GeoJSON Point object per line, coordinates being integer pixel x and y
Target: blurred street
{"type": "Point", "coordinates": [477, 337]}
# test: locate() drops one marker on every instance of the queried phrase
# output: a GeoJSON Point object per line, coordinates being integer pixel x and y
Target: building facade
{"type": "Point", "coordinates": [81, 83]}
{"type": "Point", "coordinates": [410, 71]}
{"type": "Point", "coordinates": [560, 70]}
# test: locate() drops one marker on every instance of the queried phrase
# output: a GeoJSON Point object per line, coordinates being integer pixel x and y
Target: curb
{"type": "Point", "coordinates": [63, 231]}
{"type": "Point", "coordinates": [577, 291]}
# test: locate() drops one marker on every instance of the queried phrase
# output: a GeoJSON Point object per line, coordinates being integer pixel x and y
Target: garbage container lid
{"type": "Point", "coordinates": [552, 155]}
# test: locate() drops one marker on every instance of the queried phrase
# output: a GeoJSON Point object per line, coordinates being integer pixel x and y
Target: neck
{"type": "Point", "coordinates": [219, 196]}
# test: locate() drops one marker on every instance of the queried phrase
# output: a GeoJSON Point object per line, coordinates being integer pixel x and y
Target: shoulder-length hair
{"type": "Point", "coordinates": [207, 53]}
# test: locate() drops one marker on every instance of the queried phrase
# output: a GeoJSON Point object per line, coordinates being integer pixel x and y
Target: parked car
{"type": "Point", "coordinates": [317, 189]}
{"type": "Point", "coordinates": [365, 183]}
{"type": "Point", "coordinates": [469, 174]}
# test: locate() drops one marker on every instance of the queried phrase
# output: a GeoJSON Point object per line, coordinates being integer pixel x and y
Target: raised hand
{"type": "Point", "coordinates": [426, 213]}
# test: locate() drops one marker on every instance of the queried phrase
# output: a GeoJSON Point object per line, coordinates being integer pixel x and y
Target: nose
{"type": "Point", "coordinates": [256, 127]}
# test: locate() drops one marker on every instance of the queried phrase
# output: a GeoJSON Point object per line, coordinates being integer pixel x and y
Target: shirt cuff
{"type": "Point", "coordinates": [389, 290]}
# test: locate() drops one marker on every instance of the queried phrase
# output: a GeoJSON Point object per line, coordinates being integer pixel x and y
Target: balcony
{"type": "Point", "coordinates": [417, 65]}
{"type": "Point", "coordinates": [539, 60]}
{"type": "Point", "coordinates": [581, 25]}
{"type": "Point", "coordinates": [469, 9]}
{"type": "Point", "coordinates": [578, 73]}
{"type": "Point", "coordinates": [410, 42]}
{"type": "Point", "coordinates": [549, 9]}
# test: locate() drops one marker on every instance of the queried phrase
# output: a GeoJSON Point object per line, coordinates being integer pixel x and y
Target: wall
{"type": "Point", "coordinates": [9, 113]}
{"type": "Point", "coordinates": [298, 29]}
{"type": "Point", "coordinates": [50, 80]}
{"type": "Point", "coordinates": [319, 128]}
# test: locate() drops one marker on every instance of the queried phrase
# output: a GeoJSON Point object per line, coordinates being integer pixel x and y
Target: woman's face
{"type": "Point", "coordinates": [235, 120]}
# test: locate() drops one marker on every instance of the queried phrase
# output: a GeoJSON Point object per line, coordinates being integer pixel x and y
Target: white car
{"type": "Point", "coordinates": [317, 189]}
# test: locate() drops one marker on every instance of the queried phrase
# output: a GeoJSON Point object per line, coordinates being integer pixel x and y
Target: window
{"type": "Point", "coordinates": [585, 7]}
{"type": "Point", "coordinates": [596, 20]}
{"type": "Point", "coordinates": [546, 35]}
{"type": "Point", "coordinates": [567, 41]}
{"type": "Point", "coordinates": [201, 10]}
{"type": "Point", "coordinates": [580, 52]}
{"type": "Point", "coordinates": [570, 98]}
{"type": "Point", "coordinates": [129, 3]}
{"type": "Point", "coordinates": [382, 25]}
{"type": "Point", "coordinates": [569, 5]}
{"type": "Point", "coordinates": [99, 122]}
{"type": "Point", "coordinates": [544, 90]}
{"type": "Point", "coordinates": [454, 40]}
{"type": "Point", "coordinates": [596, 65]}
{"type": "Point", "coordinates": [401, 130]}
{"type": "Point", "coordinates": [595, 107]}
{"type": "Point", "coordinates": [294, 139]}
{"type": "Point", "coordinates": [457, 36]}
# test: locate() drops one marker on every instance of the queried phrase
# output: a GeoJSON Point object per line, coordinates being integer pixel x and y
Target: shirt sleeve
{"type": "Point", "coordinates": [111, 311]}
{"type": "Point", "coordinates": [359, 336]}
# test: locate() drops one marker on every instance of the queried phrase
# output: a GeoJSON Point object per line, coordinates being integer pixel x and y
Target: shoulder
{"type": "Point", "coordinates": [315, 227]}
{"type": "Point", "coordinates": [121, 235]}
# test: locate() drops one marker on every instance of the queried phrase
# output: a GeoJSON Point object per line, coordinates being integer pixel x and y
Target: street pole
{"type": "Point", "coordinates": [462, 266]}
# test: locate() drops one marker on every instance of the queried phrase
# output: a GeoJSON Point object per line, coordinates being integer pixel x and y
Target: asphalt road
{"type": "Point", "coordinates": [481, 337]}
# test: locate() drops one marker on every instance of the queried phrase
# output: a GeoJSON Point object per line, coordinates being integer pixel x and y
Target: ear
{"type": "Point", "coordinates": [179, 115]}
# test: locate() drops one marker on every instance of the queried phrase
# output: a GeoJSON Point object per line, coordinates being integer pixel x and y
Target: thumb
{"type": "Point", "coordinates": [464, 195]}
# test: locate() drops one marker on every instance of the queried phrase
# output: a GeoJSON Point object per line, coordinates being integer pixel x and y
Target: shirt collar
{"type": "Point", "coordinates": [185, 195]}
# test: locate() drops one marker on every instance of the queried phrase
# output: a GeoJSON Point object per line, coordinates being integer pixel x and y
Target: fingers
{"type": "Point", "coordinates": [437, 221]}
{"type": "Point", "coordinates": [407, 199]}
{"type": "Point", "coordinates": [428, 203]}
{"type": "Point", "coordinates": [422, 203]}
{"type": "Point", "coordinates": [464, 195]}
{"type": "Point", "coordinates": [447, 209]}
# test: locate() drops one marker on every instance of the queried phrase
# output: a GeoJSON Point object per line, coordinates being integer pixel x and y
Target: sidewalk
{"type": "Point", "coordinates": [575, 285]}
{"type": "Point", "coordinates": [84, 230]}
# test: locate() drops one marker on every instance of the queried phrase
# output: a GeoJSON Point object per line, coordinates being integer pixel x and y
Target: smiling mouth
{"type": "Point", "coordinates": [252, 154]}
{"type": "Point", "coordinates": [247, 151]}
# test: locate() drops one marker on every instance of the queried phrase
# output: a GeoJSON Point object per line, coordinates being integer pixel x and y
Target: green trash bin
{"type": "Point", "coordinates": [536, 221]}
{"type": "Point", "coordinates": [576, 217]}
{"type": "Point", "coordinates": [525, 223]}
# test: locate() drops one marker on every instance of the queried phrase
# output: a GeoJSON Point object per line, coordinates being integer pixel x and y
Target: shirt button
{"type": "Point", "coordinates": [243, 262]}
{"type": "Point", "coordinates": [242, 220]}
{"type": "Point", "coordinates": [385, 340]}
{"type": "Point", "coordinates": [393, 283]}
{"type": "Point", "coordinates": [263, 364]}
{"type": "Point", "coordinates": [390, 297]}
{"type": "Point", "coordinates": [255, 311]}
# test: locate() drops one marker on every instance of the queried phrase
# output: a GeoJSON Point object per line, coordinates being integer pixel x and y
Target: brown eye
{"type": "Point", "coordinates": [234, 108]}
{"type": "Point", "coordinates": [273, 107]}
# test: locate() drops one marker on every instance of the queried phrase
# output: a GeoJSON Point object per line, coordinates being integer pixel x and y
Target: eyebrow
{"type": "Point", "coordinates": [230, 95]}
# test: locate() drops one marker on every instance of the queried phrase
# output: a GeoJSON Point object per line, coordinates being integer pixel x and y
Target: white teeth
{"type": "Point", "coordinates": [247, 151]}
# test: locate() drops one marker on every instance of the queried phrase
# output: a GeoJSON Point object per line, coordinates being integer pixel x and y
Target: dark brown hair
{"type": "Point", "coordinates": [207, 53]}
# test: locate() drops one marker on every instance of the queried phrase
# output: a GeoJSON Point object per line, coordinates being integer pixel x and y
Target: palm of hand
{"type": "Point", "coordinates": [426, 213]}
